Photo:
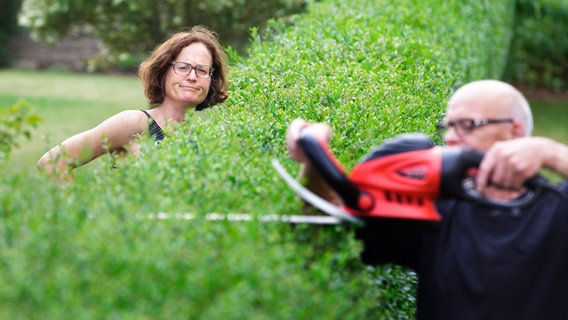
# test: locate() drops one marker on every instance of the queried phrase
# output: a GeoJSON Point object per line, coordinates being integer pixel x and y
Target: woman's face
{"type": "Point", "coordinates": [183, 85]}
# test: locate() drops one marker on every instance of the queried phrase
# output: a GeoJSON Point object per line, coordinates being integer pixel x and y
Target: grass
{"type": "Point", "coordinates": [550, 119]}
{"type": "Point", "coordinates": [68, 102]}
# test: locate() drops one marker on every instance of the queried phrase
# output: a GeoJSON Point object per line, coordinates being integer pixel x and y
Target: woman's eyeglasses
{"type": "Point", "coordinates": [466, 126]}
{"type": "Point", "coordinates": [201, 70]}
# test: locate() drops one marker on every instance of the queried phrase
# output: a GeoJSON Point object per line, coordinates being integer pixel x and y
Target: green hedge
{"type": "Point", "coordinates": [372, 70]}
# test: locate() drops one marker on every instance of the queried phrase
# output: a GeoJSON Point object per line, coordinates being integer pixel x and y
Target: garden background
{"type": "Point", "coordinates": [371, 69]}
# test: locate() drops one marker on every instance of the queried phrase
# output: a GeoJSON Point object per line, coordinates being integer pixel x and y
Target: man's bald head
{"type": "Point", "coordinates": [497, 97]}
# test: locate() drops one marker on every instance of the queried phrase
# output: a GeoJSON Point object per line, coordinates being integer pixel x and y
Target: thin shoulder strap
{"type": "Point", "coordinates": [147, 114]}
{"type": "Point", "coordinates": [155, 131]}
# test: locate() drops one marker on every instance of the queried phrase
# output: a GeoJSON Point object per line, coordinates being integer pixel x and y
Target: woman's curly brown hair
{"type": "Point", "coordinates": [153, 70]}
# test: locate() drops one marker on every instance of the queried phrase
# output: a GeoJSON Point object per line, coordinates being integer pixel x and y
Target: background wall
{"type": "Point", "coordinates": [72, 53]}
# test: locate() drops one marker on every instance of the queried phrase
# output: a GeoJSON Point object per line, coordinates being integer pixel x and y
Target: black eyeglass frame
{"type": "Point", "coordinates": [191, 67]}
{"type": "Point", "coordinates": [466, 126]}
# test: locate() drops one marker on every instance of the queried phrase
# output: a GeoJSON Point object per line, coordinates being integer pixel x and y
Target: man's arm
{"type": "Point", "coordinates": [308, 176]}
{"type": "Point", "coordinates": [509, 163]}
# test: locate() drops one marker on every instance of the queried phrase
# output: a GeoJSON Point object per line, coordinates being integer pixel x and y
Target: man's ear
{"type": "Point", "coordinates": [518, 129]}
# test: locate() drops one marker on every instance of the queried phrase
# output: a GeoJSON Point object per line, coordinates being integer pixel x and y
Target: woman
{"type": "Point", "coordinates": [186, 71]}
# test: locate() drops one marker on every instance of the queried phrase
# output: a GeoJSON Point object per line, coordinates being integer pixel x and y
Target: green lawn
{"type": "Point", "coordinates": [68, 103]}
{"type": "Point", "coordinates": [550, 119]}
{"type": "Point", "coordinates": [71, 102]}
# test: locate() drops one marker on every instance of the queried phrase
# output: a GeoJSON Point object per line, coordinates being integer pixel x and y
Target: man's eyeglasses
{"type": "Point", "coordinates": [201, 70]}
{"type": "Point", "coordinates": [466, 126]}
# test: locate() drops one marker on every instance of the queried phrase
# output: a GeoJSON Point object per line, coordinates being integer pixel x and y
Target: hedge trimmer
{"type": "Point", "coordinates": [401, 179]}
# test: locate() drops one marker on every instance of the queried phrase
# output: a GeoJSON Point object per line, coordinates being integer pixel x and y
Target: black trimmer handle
{"type": "Point", "coordinates": [328, 167]}
{"type": "Point", "coordinates": [456, 162]}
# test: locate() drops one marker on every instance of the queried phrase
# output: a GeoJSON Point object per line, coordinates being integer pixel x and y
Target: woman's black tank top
{"type": "Point", "coordinates": [154, 129]}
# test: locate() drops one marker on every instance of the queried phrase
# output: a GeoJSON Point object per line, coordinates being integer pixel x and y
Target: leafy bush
{"type": "Point", "coordinates": [15, 121]}
{"type": "Point", "coordinates": [539, 54]}
{"type": "Point", "coordinates": [371, 69]}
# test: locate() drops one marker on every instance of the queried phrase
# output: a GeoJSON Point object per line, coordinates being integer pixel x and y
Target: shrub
{"type": "Point", "coordinates": [15, 121]}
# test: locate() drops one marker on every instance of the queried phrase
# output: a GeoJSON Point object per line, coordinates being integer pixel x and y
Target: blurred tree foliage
{"type": "Point", "coordinates": [8, 25]}
{"type": "Point", "coordinates": [132, 28]}
{"type": "Point", "coordinates": [539, 50]}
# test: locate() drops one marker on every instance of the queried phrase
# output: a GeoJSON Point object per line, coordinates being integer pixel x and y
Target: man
{"type": "Point", "coordinates": [480, 263]}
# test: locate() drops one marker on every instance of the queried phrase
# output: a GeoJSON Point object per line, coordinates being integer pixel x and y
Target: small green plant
{"type": "Point", "coordinates": [16, 121]}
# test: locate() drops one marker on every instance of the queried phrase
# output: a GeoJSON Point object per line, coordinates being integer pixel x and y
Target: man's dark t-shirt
{"type": "Point", "coordinates": [480, 262]}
